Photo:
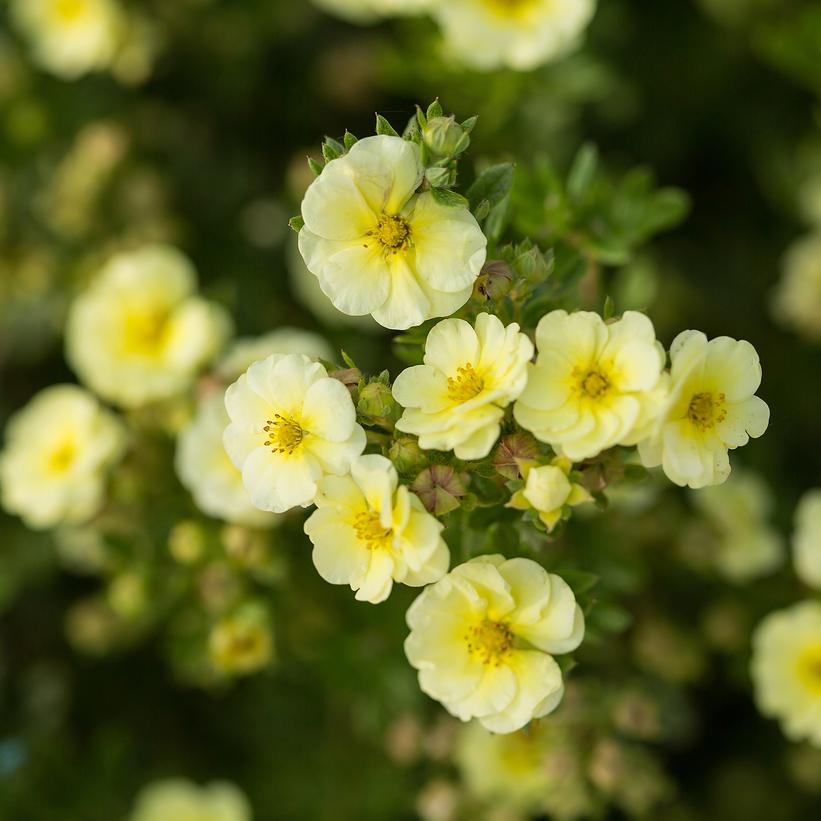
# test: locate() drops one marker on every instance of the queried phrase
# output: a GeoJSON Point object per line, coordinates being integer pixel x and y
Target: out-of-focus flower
{"type": "Point", "coordinates": [71, 37]}
{"type": "Point", "coordinates": [369, 531]}
{"type": "Point", "coordinates": [786, 670]}
{"type": "Point", "coordinates": [797, 300]}
{"type": "Point", "coordinates": [483, 640]}
{"type": "Point", "coordinates": [518, 34]}
{"type": "Point", "coordinates": [205, 468]}
{"type": "Point", "coordinates": [748, 545]}
{"type": "Point", "coordinates": [290, 425]}
{"type": "Point", "coordinates": [241, 643]}
{"type": "Point", "coordinates": [711, 408]}
{"type": "Point", "coordinates": [59, 450]}
{"type": "Point", "coordinates": [187, 542]}
{"type": "Point", "coordinates": [549, 491]}
{"type": "Point", "coordinates": [806, 540]}
{"type": "Point", "coordinates": [456, 399]}
{"type": "Point", "coordinates": [139, 333]}
{"type": "Point", "coordinates": [176, 799]}
{"type": "Point", "coordinates": [364, 11]}
{"type": "Point", "coordinates": [380, 248]}
{"type": "Point", "coordinates": [438, 801]}
{"type": "Point", "coordinates": [594, 384]}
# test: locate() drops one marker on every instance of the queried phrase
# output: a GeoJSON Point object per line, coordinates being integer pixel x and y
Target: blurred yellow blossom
{"type": "Point", "coordinates": [380, 248]}
{"type": "Point", "coordinates": [140, 333]}
{"type": "Point", "coordinates": [797, 300]}
{"type": "Point", "coordinates": [594, 384]}
{"type": "Point", "coordinates": [369, 531]}
{"type": "Point", "coordinates": [711, 408]}
{"type": "Point", "coordinates": [483, 640]}
{"type": "Point", "coordinates": [290, 425]}
{"type": "Point", "coordinates": [806, 540]}
{"type": "Point", "coordinates": [786, 670]}
{"type": "Point", "coordinates": [59, 450]}
{"type": "Point", "coordinates": [456, 399]}
{"type": "Point", "coordinates": [242, 643]}
{"type": "Point", "coordinates": [176, 799]}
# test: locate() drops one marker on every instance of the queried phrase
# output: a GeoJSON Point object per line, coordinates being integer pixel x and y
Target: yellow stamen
{"type": "Point", "coordinates": [465, 385]}
{"type": "Point", "coordinates": [706, 410]}
{"type": "Point", "coordinates": [61, 458]}
{"type": "Point", "coordinates": [392, 233]}
{"type": "Point", "coordinates": [285, 434]}
{"type": "Point", "coordinates": [809, 669]}
{"type": "Point", "coordinates": [146, 332]}
{"type": "Point", "coordinates": [490, 641]}
{"type": "Point", "coordinates": [510, 8]}
{"type": "Point", "coordinates": [369, 529]}
{"type": "Point", "coordinates": [70, 10]}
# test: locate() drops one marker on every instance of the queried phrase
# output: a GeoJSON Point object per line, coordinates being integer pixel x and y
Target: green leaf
{"type": "Point", "coordinates": [332, 150]}
{"type": "Point", "coordinates": [469, 124]}
{"type": "Point", "coordinates": [450, 199]}
{"type": "Point", "coordinates": [296, 223]}
{"type": "Point", "coordinates": [383, 127]}
{"type": "Point", "coordinates": [582, 172]}
{"type": "Point", "coordinates": [493, 185]}
{"type": "Point", "coordinates": [481, 210]}
{"type": "Point", "coordinates": [349, 140]}
{"type": "Point", "coordinates": [315, 166]}
{"type": "Point", "coordinates": [609, 308]}
{"type": "Point", "coordinates": [434, 109]}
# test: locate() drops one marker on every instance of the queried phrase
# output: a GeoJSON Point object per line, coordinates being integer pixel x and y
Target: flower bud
{"type": "Point", "coordinates": [494, 282]}
{"type": "Point", "coordinates": [439, 488]}
{"type": "Point", "coordinates": [349, 377]}
{"type": "Point", "coordinates": [376, 401]}
{"type": "Point", "coordinates": [406, 455]}
{"type": "Point", "coordinates": [513, 452]}
{"type": "Point", "coordinates": [445, 137]}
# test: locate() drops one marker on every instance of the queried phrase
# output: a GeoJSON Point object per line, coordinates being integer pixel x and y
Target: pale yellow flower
{"type": "Point", "coordinates": [518, 34]}
{"type": "Point", "coordinates": [204, 467]}
{"type": "Point", "coordinates": [291, 424]}
{"type": "Point", "coordinates": [242, 643]}
{"type": "Point", "coordinates": [806, 540]}
{"type": "Point", "coordinates": [369, 532]}
{"type": "Point", "coordinates": [71, 37]}
{"type": "Point", "coordinates": [786, 670]}
{"type": "Point", "coordinates": [594, 384]}
{"type": "Point", "coordinates": [176, 799]}
{"type": "Point", "coordinates": [549, 491]}
{"type": "Point", "coordinates": [711, 408]}
{"type": "Point", "coordinates": [483, 640]}
{"type": "Point", "coordinates": [378, 247]}
{"type": "Point", "coordinates": [59, 451]}
{"type": "Point", "coordinates": [140, 333]}
{"type": "Point", "coordinates": [748, 545]}
{"type": "Point", "coordinates": [456, 399]}
{"type": "Point", "coordinates": [797, 300]}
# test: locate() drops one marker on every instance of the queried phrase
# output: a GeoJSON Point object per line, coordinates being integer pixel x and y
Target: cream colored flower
{"type": "Point", "coordinates": [797, 300]}
{"type": "Point", "coordinates": [483, 640]}
{"type": "Point", "coordinates": [518, 34]}
{"type": "Point", "coordinates": [711, 408]}
{"type": "Point", "coordinates": [369, 532]}
{"type": "Point", "coordinates": [786, 670]}
{"type": "Point", "coordinates": [549, 491]}
{"type": "Point", "coordinates": [204, 467]}
{"type": "Point", "coordinates": [176, 799]}
{"type": "Point", "coordinates": [291, 424]}
{"type": "Point", "coordinates": [806, 540]}
{"type": "Point", "coordinates": [71, 37]}
{"type": "Point", "coordinates": [59, 450]}
{"type": "Point", "coordinates": [456, 400]}
{"type": "Point", "coordinates": [594, 384]}
{"type": "Point", "coordinates": [242, 643]}
{"type": "Point", "coordinates": [365, 11]}
{"type": "Point", "coordinates": [139, 333]}
{"type": "Point", "coordinates": [380, 248]}
{"type": "Point", "coordinates": [748, 546]}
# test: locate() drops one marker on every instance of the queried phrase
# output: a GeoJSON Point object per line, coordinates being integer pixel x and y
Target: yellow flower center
{"type": "Point", "coordinates": [706, 410]}
{"type": "Point", "coordinates": [146, 332]}
{"type": "Point", "coordinates": [592, 383]}
{"type": "Point", "coordinates": [61, 458]}
{"type": "Point", "coordinates": [392, 233]}
{"type": "Point", "coordinates": [465, 385]}
{"type": "Point", "coordinates": [68, 11]}
{"type": "Point", "coordinates": [369, 529]}
{"type": "Point", "coordinates": [490, 641]}
{"type": "Point", "coordinates": [510, 8]}
{"type": "Point", "coordinates": [285, 434]}
{"type": "Point", "coordinates": [809, 669]}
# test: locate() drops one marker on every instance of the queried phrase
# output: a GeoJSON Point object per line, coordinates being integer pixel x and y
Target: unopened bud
{"type": "Point", "coordinates": [445, 137]}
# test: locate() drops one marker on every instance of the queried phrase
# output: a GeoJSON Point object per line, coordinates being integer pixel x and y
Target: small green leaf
{"type": "Point", "coordinates": [609, 308]}
{"type": "Point", "coordinates": [332, 150]}
{"type": "Point", "coordinates": [481, 210]}
{"type": "Point", "coordinates": [434, 109]}
{"type": "Point", "coordinates": [384, 128]}
{"type": "Point", "coordinates": [296, 223]}
{"type": "Point", "coordinates": [469, 124]}
{"type": "Point", "coordinates": [349, 140]}
{"type": "Point", "coordinates": [450, 199]}
{"type": "Point", "coordinates": [582, 171]}
{"type": "Point", "coordinates": [492, 185]}
{"type": "Point", "coordinates": [315, 166]}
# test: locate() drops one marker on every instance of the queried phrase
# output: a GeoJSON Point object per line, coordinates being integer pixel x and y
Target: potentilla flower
{"type": "Point", "coordinates": [483, 640]}
{"type": "Point", "coordinates": [291, 424]}
{"type": "Point", "coordinates": [242, 643]}
{"type": "Point", "coordinates": [140, 333]}
{"type": "Point", "coordinates": [59, 450]}
{"type": "Point", "coordinates": [206, 470]}
{"type": "Point", "coordinates": [806, 540]}
{"type": "Point", "coordinates": [456, 399]}
{"type": "Point", "coordinates": [786, 670]}
{"type": "Point", "coordinates": [518, 34]}
{"type": "Point", "coordinates": [71, 37]}
{"type": "Point", "coordinates": [369, 532]}
{"type": "Point", "coordinates": [594, 384]}
{"type": "Point", "coordinates": [797, 300]}
{"type": "Point", "coordinates": [175, 799]}
{"type": "Point", "coordinates": [378, 247]}
{"type": "Point", "coordinates": [549, 491]}
{"type": "Point", "coordinates": [711, 408]}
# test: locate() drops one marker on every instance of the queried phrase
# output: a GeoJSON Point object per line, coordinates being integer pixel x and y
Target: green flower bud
{"type": "Point", "coordinates": [407, 456]}
{"type": "Point", "coordinates": [376, 401]}
{"type": "Point", "coordinates": [445, 137]}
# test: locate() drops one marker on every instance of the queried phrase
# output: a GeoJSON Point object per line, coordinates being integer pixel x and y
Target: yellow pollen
{"type": "Point", "coordinates": [465, 385]}
{"type": "Point", "coordinates": [61, 458]}
{"type": "Point", "coordinates": [369, 529]}
{"type": "Point", "coordinates": [69, 10]}
{"type": "Point", "coordinates": [392, 233]}
{"type": "Point", "coordinates": [146, 332]}
{"type": "Point", "coordinates": [509, 8]}
{"type": "Point", "coordinates": [285, 435]}
{"type": "Point", "coordinates": [490, 641]}
{"type": "Point", "coordinates": [592, 383]}
{"type": "Point", "coordinates": [706, 410]}
{"type": "Point", "coordinates": [809, 669]}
